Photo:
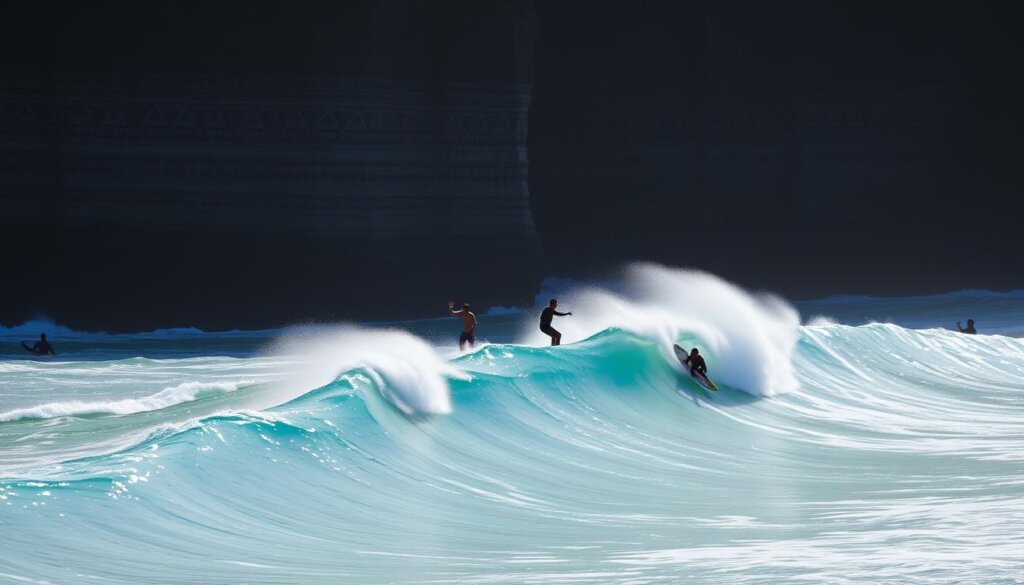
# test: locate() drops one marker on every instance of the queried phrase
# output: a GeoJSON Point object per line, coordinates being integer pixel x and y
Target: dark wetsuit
{"type": "Point", "coordinates": [696, 363]}
{"type": "Point", "coordinates": [545, 324]}
{"type": "Point", "coordinates": [41, 347]}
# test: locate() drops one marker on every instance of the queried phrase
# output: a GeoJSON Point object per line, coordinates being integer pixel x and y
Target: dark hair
{"type": "Point", "coordinates": [465, 305]}
{"type": "Point", "coordinates": [552, 301]}
{"type": "Point", "coordinates": [42, 336]}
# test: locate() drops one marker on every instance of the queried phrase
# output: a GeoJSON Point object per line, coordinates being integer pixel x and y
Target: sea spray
{"type": "Point", "coordinates": [748, 339]}
{"type": "Point", "coordinates": [406, 369]}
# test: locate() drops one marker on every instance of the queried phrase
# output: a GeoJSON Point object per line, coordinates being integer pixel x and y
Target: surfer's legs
{"type": "Point", "coordinates": [556, 337]}
{"type": "Point", "coordinates": [466, 337]}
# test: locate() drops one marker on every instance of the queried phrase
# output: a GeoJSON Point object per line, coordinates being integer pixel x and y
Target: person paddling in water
{"type": "Point", "coordinates": [696, 363]}
{"type": "Point", "coordinates": [546, 316]}
{"type": "Point", "coordinates": [970, 330]}
{"type": "Point", "coordinates": [468, 324]}
{"type": "Point", "coordinates": [41, 347]}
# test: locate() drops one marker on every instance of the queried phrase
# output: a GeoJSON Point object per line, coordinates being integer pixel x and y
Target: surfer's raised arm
{"type": "Point", "coordinates": [469, 324]}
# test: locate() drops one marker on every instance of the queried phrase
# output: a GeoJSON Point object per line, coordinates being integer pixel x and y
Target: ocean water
{"type": "Point", "coordinates": [854, 440]}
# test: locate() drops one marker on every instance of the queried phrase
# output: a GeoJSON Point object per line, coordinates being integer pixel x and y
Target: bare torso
{"type": "Point", "coordinates": [468, 320]}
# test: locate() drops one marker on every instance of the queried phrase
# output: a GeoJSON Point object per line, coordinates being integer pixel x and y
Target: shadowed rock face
{"type": "Point", "coordinates": [807, 147]}
{"type": "Point", "coordinates": [230, 166]}
{"type": "Point", "coordinates": [244, 165]}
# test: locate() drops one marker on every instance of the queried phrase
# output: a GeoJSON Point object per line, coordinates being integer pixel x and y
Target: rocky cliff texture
{"type": "Point", "coordinates": [364, 160]}
{"type": "Point", "coordinates": [805, 147]}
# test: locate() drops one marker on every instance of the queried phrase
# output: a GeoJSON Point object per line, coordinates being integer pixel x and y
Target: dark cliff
{"type": "Point", "coordinates": [243, 165]}
{"type": "Point", "coordinates": [807, 147]}
{"type": "Point", "coordinates": [235, 164]}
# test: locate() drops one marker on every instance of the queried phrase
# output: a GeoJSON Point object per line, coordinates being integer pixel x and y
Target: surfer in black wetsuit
{"type": "Point", "coordinates": [41, 347]}
{"type": "Point", "coordinates": [546, 316]}
{"type": "Point", "coordinates": [696, 363]}
{"type": "Point", "coordinates": [970, 330]}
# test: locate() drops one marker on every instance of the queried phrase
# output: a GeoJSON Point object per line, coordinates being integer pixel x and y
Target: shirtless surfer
{"type": "Point", "coordinates": [468, 324]}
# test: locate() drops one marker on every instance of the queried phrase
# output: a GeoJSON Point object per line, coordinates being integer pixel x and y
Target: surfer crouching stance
{"type": "Point", "coordinates": [468, 324]}
{"type": "Point", "coordinates": [696, 363]}
{"type": "Point", "coordinates": [546, 316]}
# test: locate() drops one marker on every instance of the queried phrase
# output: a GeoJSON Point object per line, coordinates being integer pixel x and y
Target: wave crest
{"type": "Point", "coordinates": [406, 369]}
{"type": "Point", "coordinates": [185, 392]}
{"type": "Point", "coordinates": [748, 339]}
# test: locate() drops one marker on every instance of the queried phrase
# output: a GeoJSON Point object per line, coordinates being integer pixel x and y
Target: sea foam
{"type": "Point", "coordinates": [181, 393]}
{"type": "Point", "coordinates": [406, 369]}
{"type": "Point", "coordinates": [748, 339]}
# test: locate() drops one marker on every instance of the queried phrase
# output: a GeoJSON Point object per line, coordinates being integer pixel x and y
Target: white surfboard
{"type": "Point", "coordinates": [701, 379]}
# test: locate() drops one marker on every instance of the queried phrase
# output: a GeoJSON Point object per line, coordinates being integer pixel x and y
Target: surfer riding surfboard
{"type": "Point", "coordinates": [694, 365]}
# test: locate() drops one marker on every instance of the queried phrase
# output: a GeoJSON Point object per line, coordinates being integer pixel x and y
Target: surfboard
{"type": "Point", "coordinates": [681, 355]}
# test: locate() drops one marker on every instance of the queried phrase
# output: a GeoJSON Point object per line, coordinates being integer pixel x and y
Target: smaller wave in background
{"type": "Point", "coordinates": [179, 394]}
{"type": "Point", "coordinates": [406, 369]}
{"type": "Point", "coordinates": [994, 313]}
{"type": "Point", "coordinates": [30, 330]}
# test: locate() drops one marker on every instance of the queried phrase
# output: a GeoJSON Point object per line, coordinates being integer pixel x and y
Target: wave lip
{"type": "Point", "coordinates": [171, 396]}
{"type": "Point", "coordinates": [406, 369]}
{"type": "Point", "coordinates": [747, 339]}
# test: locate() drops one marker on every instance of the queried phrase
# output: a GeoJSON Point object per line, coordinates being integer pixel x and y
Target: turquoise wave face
{"type": "Point", "coordinates": [894, 456]}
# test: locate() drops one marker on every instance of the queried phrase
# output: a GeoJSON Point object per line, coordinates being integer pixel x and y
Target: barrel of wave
{"type": "Point", "coordinates": [748, 339]}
